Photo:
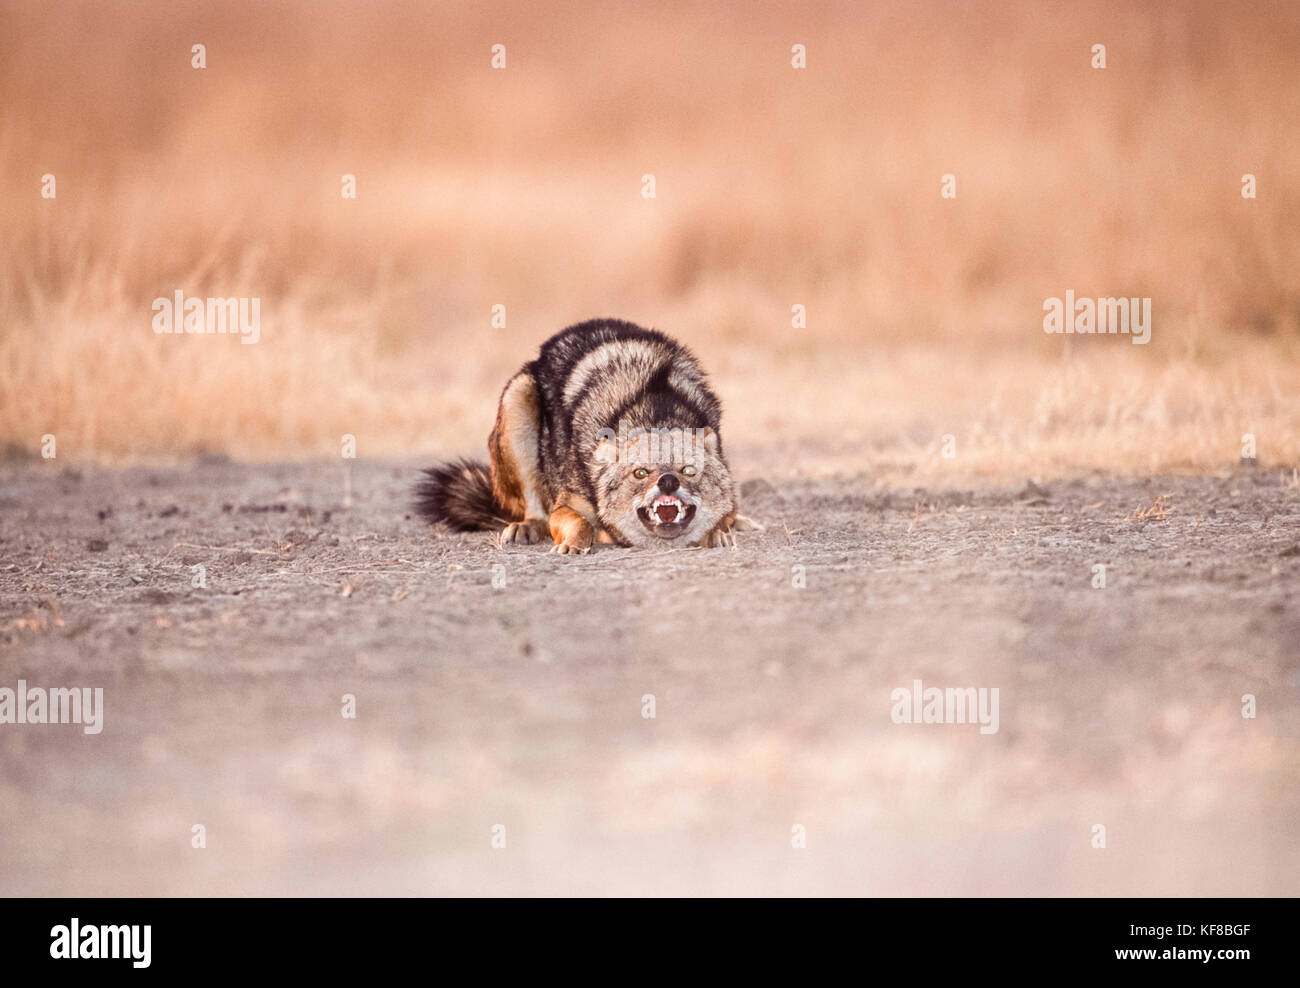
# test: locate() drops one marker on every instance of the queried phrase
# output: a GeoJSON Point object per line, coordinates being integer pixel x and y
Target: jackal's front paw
{"type": "Point", "coordinates": [715, 537]}
{"type": "Point", "coordinates": [572, 533]}
{"type": "Point", "coordinates": [525, 532]}
{"type": "Point", "coordinates": [571, 548]}
{"type": "Point", "coordinates": [723, 534]}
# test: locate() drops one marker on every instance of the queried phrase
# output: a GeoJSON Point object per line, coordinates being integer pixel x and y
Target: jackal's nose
{"type": "Point", "coordinates": [668, 483]}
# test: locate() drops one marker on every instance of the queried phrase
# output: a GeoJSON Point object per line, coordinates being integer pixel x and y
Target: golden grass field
{"type": "Point", "coordinates": [775, 186]}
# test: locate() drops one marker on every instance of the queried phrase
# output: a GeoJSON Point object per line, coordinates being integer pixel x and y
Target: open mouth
{"type": "Point", "coordinates": [667, 515]}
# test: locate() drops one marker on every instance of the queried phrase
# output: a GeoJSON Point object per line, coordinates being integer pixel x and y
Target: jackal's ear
{"type": "Point", "coordinates": [606, 447]}
{"type": "Point", "coordinates": [708, 440]}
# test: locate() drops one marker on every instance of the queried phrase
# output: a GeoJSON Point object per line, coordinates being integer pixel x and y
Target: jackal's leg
{"type": "Point", "coordinates": [571, 524]}
{"type": "Point", "coordinates": [516, 466]}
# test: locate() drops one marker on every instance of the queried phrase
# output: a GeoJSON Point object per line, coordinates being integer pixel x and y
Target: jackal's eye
{"type": "Point", "coordinates": [640, 473]}
{"type": "Point", "coordinates": [688, 471]}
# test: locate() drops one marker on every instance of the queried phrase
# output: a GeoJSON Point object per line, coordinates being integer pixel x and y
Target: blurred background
{"type": "Point", "coordinates": [775, 187]}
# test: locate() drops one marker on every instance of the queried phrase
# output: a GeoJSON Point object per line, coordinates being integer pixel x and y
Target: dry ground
{"type": "Point", "coordinates": [522, 705]}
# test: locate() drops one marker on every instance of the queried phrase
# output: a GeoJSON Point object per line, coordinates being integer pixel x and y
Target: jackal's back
{"type": "Point", "coordinates": [600, 374]}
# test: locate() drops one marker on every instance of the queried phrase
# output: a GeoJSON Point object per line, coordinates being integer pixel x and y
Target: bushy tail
{"type": "Point", "coordinates": [460, 496]}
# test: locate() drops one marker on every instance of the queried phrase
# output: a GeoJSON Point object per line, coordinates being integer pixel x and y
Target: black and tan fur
{"type": "Point", "coordinates": [569, 459]}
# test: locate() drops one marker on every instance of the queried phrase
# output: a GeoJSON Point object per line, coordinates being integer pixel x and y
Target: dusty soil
{"type": "Point", "coordinates": [520, 704]}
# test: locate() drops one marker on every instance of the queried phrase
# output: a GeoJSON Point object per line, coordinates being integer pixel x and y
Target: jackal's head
{"type": "Point", "coordinates": [662, 486]}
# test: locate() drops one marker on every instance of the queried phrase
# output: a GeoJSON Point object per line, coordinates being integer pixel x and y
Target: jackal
{"type": "Point", "coordinates": [610, 434]}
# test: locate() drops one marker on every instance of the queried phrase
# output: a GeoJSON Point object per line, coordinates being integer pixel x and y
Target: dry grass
{"type": "Point", "coordinates": [1157, 510]}
{"type": "Point", "coordinates": [774, 187]}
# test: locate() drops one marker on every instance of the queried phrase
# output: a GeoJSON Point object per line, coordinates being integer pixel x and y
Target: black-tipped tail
{"type": "Point", "coordinates": [460, 496]}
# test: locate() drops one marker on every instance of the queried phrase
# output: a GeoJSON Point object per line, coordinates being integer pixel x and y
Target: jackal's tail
{"type": "Point", "coordinates": [460, 496]}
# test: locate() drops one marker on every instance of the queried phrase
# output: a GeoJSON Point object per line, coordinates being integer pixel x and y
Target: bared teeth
{"type": "Point", "coordinates": [667, 509]}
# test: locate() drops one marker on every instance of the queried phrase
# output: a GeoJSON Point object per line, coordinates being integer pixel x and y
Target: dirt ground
{"type": "Point", "coordinates": [505, 688]}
